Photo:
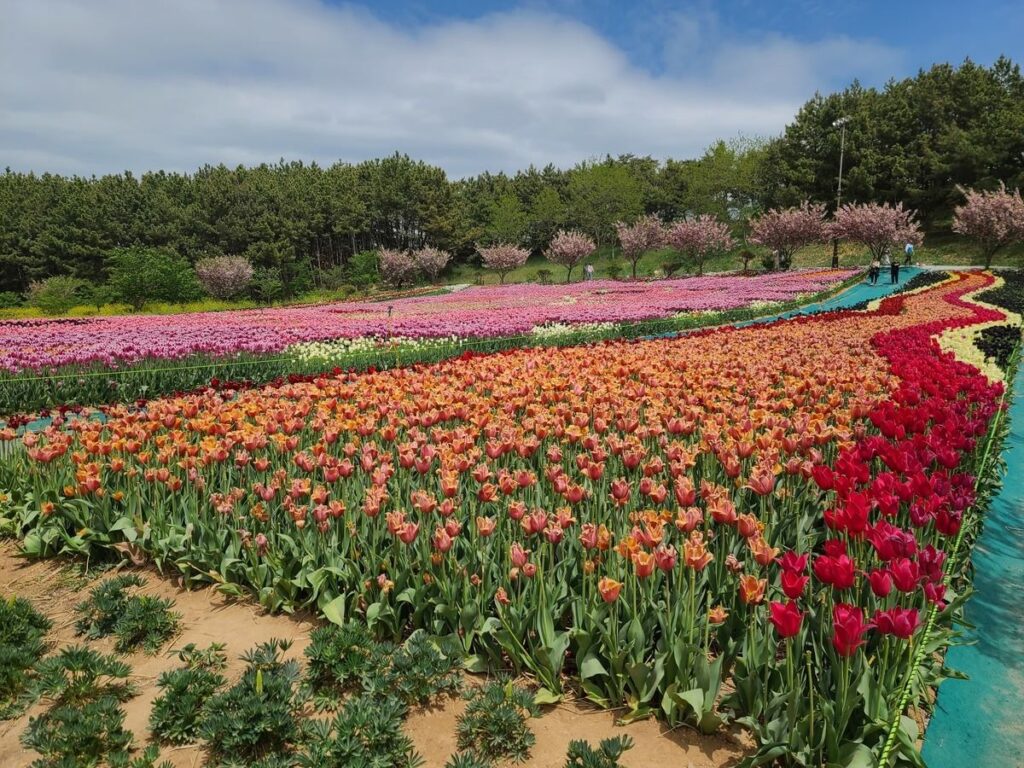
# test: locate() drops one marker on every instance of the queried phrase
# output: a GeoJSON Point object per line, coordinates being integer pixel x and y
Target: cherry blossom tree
{"type": "Point", "coordinates": [396, 266]}
{"type": "Point", "coordinates": [994, 219]}
{"type": "Point", "coordinates": [786, 231]}
{"type": "Point", "coordinates": [224, 276]}
{"type": "Point", "coordinates": [430, 261]}
{"type": "Point", "coordinates": [880, 227]}
{"type": "Point", "coordinates": [568, 248]}
{"type": "Point", "coordinates": [699, 237]}
{"type": "Point", "coordinates": [643, 235]}
{"type": "Point", "coordinates": [502, 257]}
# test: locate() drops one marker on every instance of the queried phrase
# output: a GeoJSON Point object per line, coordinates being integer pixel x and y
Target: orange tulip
{"type": "Point", "coordinates": [752, 589]}
{"type": "Point", "coordinates": [717, 615]}
{"type": "Point", "coordinates": [485, 526]}
{"type": "Point", "coordinates": [609, 589]}
{"type": "Point", "coordinates": [643, 562]}
{"type": "Point", "coordinates": [695, 552]}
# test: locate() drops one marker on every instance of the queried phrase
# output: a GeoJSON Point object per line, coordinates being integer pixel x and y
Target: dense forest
{"type": "Point", "coordinates": [916, 140]}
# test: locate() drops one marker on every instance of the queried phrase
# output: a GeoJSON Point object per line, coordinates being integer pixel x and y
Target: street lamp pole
{"type": "Point", "coordinates": [841, 125]}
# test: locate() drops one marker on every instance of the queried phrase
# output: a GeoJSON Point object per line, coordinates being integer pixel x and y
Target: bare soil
{"type": "Point", "coordinates": [208, 616]}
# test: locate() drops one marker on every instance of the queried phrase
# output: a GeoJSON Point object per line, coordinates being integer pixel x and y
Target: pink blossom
{"type": "Point", "coordinates": [699, 237]}
{"type": "Point", "coordinates": [879, 227]}
{"type": "Point", "coordinates": [396, 266]}
{"type": "Point", "coordinates": [569, 248]}
{"type": "Point", "coordinates": [224, 276]}
{"type": "Point", "coordinates": [995, 219]}
{"type": "Point", "coordinates": [643, 235]}
{"type": "Point", "coordinates": [503, 258]}
{"type": "Point", "coordinates": [786, 231]}
{"type": "Point", "coordinates": [430, 261]}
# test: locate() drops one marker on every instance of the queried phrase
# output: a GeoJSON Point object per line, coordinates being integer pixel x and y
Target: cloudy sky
{"type": "Point", "coordinates": [93, 86]}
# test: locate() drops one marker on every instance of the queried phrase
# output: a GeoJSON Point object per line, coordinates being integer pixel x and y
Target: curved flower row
{"type": "Point", "coordinates": [38, 345]}
{"type": "Point", "coordinates": [652, 517]}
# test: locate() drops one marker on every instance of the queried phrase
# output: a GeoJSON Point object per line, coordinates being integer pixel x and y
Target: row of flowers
{"type": "Point", "coordinates": [762, 506]}
{"type": "Point", "coordinates": [479, 312]}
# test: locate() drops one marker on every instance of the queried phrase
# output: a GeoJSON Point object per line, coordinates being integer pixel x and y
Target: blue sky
{"type": "Point", "coordinates": [107, 85]}
{"type": "Point", "coordinates": [923, 32]}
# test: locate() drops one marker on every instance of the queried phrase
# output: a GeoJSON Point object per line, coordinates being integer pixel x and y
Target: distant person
{"type": "Point", "coordinates": [908, 253]}
{"type": "Point", "coordinates": [886, 261]}
{"type": "Point", "coordinates": [894, 271]}
{"type": "Point", "coordinates": [874, 270]}
{"type": "Point", "coordinates": [588, 271]}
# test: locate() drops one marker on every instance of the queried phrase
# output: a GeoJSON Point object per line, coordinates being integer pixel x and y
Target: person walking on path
{"type": "Point", "coordinates": [908, 253]}
{"type": "Point", "coordinates": [874, 270]}
{"type": "Point", "coordinates": [894, 271]}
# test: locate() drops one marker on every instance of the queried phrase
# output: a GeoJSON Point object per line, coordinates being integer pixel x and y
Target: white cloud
{"type": "Point", "coordinates": [104, 85]}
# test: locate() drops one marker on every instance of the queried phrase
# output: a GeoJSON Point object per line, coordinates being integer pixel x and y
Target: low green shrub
{"type": "Point", "coordinates": [137, 275]}
{"type": "Point", "coordinates": [79, 674]}
{"type": "Point", "coordinates": [363, 269]}
{"type": "Point", "coordinates": [493, 726]}
{"type": "Point", "coordinates": [84, 725]}
{"type": "Point", "coordinates": [183, 692]}
{"type": "Point", "coordinates": [544, 276]}
{"type": "Point", "coordinates": [9, 300]}
{"type": "Point", "coordinates": [78, 735]}
{"type": "Point", "coordinates": [614, 270]}
{"type": "Point", "coordinates": [112, 609]}
{"type": "Point", "coordinates": [56, 295]}
{"type": "Point", "coordinates": [22, 645]}
{"type": "Point", "coordinates": [255, 721]}
{"type": "Point", "coordinates": [366, 733]}
{"type": "Point", "coordinates": [582, 755]}
{"type": "Point", "coordinates": [338, 659]}
{"type": "Point", "coordinates": [468, 760]}
{"type": "Point", "coordinates": [672, 266]}
{"type": "Point", "coordinates": [417, 671]}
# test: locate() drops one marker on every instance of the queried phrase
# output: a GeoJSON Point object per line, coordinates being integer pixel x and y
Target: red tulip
{"type": "Point", "coordinates": [899, 622]}
{"type": "Point", "coordinates": [838, 571]}
{"type": "Point", "coordinates": [620, 491]}
{"type": "Point", "coordinates": [905, 574]}
{"type": "Point", "coordinates": [849, 628]}
{"type": "Point", "coordinates": [791, 562]}
{"type": "Point", "coordinates": [881, 582]}
{"type": "Point", "coordinates": [407, 533]}
{"type": "Point", "coordinates": [786, 617]}
{"type": "Point", "coordinates": [793, 584]}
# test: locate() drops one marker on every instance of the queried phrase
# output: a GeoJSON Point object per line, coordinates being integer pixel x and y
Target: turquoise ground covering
{"type": "Point", "coordinates": [862, 291]}
{"type": "Point", "coordinates": [980, 722]}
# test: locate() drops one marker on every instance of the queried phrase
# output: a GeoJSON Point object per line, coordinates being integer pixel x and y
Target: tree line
{"type": "Point", "coordinates": [299, 225]}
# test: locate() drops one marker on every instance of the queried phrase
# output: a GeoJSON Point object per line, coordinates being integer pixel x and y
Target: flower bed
{"type": "Point", "coordinates": [770, 506]}
{"type": "Point", "coordinates": [38, 345]}
{"type": "Point", "coordinates": [91, 362]}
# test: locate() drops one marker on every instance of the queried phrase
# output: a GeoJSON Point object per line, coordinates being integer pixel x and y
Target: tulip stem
{"type": "Point", "coordinates": [810, 696]}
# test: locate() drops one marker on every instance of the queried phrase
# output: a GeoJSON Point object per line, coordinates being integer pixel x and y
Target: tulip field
{"type": "Point", "coordinates": [767, 525]}
{"type": "Point", "coordinates": [47, 363]}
